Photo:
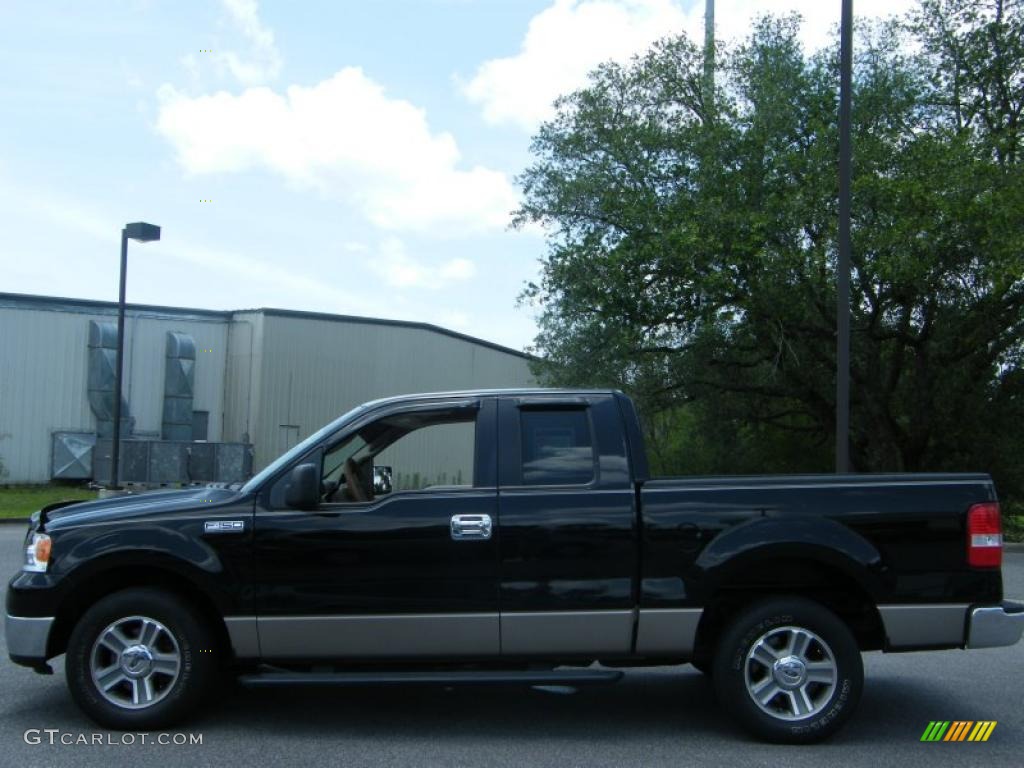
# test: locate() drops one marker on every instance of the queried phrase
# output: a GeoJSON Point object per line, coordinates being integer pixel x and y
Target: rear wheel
{"type": "Point", "coordinates": [789, 670]}
{"type": "Point", "coordinates": [140, 658]}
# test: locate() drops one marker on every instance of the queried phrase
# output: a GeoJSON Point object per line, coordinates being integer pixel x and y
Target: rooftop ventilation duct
{"type": "Point", "coordinates": [102, 365]}
{"type": "Point", "coordinates": [179, 386]}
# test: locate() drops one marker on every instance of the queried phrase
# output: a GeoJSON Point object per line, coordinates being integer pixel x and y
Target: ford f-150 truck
{"type": "Point", "coordinates": [554, 558]}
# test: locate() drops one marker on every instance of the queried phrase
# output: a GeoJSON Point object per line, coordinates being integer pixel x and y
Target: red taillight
{"type": "Point", "coordinates": [984, 536]}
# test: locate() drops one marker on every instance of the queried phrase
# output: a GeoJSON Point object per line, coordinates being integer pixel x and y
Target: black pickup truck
{"type": "Point", "coordinates": [554, 559]}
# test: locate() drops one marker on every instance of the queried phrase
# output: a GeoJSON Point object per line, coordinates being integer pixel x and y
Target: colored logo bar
{"type": "Point", "coordinates": [959, 730]}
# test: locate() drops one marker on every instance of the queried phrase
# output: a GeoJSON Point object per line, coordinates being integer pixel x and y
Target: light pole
{"type": "Point", "coordinates": [143, 233]}
{"type": "Point", "coordinates": [843, 265]}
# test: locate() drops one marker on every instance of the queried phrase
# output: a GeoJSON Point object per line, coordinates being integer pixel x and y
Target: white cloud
{"type": "Point", "coordinates": [571, 37]}
{"type": "Point", "coordinates": [345, 137]}
{"type": "Point", "coordinates": [263, 62]}
{"type": "Point", "coordinates": [246, 14]}
{"type": "Point", "coordinates": [399, 270]}
{"type": "Point", "coordinates": [562, 44]}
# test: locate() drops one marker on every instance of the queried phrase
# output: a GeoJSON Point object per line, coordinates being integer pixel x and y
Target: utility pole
{"type": "Point", "coordinates": [843, 265]}
{"type": "Point", "coordinates": [709, 48]}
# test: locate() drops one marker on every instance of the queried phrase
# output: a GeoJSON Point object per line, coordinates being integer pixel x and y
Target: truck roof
{"type": "Point", "coordinates": [508, 392]}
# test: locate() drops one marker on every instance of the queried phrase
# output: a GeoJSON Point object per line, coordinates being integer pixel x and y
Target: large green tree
{"type": "Point", "coordinates": [692, 244]}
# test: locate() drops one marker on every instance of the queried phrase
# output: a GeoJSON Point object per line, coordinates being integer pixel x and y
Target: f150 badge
{"type": "Point", "coordinates": [224, 526]}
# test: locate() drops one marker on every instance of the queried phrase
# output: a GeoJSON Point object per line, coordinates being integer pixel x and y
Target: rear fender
{"type": "Point", "coordinates": [815, 540]}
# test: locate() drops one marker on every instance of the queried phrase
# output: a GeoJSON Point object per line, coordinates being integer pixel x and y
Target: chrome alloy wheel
{"type": "Point", "coordinates": [791, 673]}
{"type": "Point", "coordinates": [135, 662]}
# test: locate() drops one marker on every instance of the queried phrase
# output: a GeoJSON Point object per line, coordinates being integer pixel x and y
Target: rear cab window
{"type": "Point", "coordinates": [557, 447]}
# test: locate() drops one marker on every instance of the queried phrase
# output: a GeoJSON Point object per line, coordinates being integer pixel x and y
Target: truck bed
{"type": "Point", "coordinates": [907, 529]}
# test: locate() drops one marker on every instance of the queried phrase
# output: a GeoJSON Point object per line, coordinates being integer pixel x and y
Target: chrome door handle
{"type": "Point", "coordinates": [471, 527]}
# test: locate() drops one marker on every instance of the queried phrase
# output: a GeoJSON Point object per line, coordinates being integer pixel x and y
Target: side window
{"type": "Point", "coordinates": [441, 454]}
{"type": "Point", "coordinates": [401, 452]}
{"type": "Point", "coordinates": [557, 447]}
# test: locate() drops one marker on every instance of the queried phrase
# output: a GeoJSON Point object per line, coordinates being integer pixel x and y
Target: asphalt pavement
{"type": "Point", "coordinates": [654, 717]}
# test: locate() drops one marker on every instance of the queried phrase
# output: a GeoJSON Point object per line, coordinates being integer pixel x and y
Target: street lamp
{"type": "Point", "coordinates": [141, 232]}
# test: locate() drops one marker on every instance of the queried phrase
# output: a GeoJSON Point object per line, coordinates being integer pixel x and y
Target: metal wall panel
{"type": "Point", "coordinates": [42, 388]}
{"type": "Point", "coordinates": [145, 364]}
{"type": "Point", "coordinates": [43, 376]}
{"type": "Point", "coordinates": [313, 370]}
{"type": "Point", "coordinates": [241, 386]}
{"type": "Point", "coordinates": [265, 379]}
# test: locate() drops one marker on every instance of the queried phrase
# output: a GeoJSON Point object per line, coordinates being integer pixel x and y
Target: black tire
{"type": "Point", "coordinates": [831, 652]}
{"type": "Point", "coordinates": [180, 631]}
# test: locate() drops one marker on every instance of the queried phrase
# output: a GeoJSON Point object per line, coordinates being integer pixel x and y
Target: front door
{"type": "Point", "coordinates": [410, 573]}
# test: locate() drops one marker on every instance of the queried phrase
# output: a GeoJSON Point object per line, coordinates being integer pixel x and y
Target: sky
{"type": "Point", "coordinates": [341, 156]}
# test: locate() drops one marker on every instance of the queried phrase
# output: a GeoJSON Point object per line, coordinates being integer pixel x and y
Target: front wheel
{"type": "Point", "coordinates": [140, 659]}
{"type": "Point", "coordinates": [789, 670]}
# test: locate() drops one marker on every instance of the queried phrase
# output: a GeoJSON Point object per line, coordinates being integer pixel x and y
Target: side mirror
{"type": "Point", "coordinates": [303, 490]}
{"type": "Point", "coordinates": [381, 480]}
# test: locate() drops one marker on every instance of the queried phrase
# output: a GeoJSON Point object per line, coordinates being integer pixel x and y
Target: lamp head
{"type": "Point", "coordinates": [142, 232]}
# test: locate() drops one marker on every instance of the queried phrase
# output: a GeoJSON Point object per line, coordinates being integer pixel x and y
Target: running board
{"type": "Point", "coordinates": [459, 677]}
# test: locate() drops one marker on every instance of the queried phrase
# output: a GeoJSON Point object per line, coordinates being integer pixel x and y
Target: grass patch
{"type": "Point", "coordinates": [20, 501]}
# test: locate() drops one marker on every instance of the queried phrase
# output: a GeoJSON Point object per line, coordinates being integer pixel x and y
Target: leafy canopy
{"type": "Point", "coordinates": [692, 244]}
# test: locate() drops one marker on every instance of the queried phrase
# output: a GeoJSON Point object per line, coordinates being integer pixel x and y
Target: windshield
{"type": "Point", "coordinates": [300, 448]}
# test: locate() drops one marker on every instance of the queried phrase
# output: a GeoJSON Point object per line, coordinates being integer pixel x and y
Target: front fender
{"type": "Point", "coordinates": [143, 545]}
{"type": "Point", "coordinates": [86, 556]}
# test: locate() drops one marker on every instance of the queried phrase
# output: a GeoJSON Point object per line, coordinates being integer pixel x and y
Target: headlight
{"type": "Point", "coordinates": [37, 553]}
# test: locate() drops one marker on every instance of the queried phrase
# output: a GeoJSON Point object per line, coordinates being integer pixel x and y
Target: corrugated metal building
{"type": "Point", "coordinates": [268, 377]}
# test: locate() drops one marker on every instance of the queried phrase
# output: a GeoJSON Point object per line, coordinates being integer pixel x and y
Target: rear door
{"type": "Point", "coordinates": [567, 527]}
